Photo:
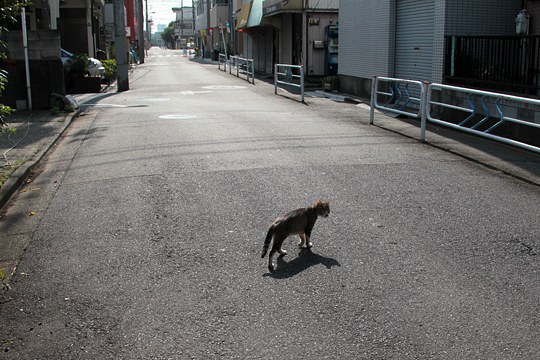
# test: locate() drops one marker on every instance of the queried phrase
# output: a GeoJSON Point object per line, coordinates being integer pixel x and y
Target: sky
{"type": "Point", "coordinates": [160, 11]}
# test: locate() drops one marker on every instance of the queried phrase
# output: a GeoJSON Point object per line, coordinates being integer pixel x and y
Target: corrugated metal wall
{"type": "Point", "coordinates": [414, 39]}
{"type": "Point", "coordinates": [366, 37]}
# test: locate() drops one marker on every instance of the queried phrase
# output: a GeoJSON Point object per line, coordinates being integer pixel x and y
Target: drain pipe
{"type": "Point", "coordinates": [26, 61]}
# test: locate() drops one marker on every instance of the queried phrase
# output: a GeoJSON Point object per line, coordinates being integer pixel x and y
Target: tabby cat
{"type": "Point", "coordinates": [300, 221]}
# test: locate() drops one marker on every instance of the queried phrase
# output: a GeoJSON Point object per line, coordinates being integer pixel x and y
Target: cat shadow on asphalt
{"type": "Point", "coordinates": [305, 259]}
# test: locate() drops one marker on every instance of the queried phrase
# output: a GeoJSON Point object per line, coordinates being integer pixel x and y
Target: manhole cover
{"type": "Point", "coordinates": [223, 87]}
{"type": "Point", "coordinates": [178, 117]}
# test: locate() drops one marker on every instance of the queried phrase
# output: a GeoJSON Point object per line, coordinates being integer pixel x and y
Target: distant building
{"type": "Point", "coordinates": [184, 25]}
{"type": "Point", "coordinates": [157, 40]}
{"type": "Point", "coordinates": [161, 27]}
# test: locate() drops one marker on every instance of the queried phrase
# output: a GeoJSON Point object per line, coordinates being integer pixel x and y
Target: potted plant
{"type": "Point", "coordinates": [78, 74]}
{"type": "Point", "coordinates": [331, 83]}
{"type": "Point", "coordinates": [110, 70]}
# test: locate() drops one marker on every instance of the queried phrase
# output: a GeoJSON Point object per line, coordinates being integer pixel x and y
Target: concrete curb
{"type": "Point", "coordinates": [16, 179]}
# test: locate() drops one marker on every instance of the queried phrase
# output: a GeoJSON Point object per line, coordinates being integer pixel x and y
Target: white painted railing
{"type": "Point", "coordinates": [285, 75]}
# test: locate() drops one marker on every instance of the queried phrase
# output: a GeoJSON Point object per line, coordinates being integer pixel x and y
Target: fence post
{"type": "Point", "coordinates": [373, 99]}
{"type": "Point", "coordinates": [423, 110]}
{"type": "Point", "coordinates": [253, 72]}
{"type": "Point", "coordinates": [275, 78]}
{"type": "Point", "coordinates": [302, 81]}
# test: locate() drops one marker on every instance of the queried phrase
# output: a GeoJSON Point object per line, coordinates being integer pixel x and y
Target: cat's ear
{"type": "Point", "coordinates": [318, 203]}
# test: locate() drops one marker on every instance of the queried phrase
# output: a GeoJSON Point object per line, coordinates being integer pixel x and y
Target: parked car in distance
{"type": "Point", "coordinates": [95, 67]}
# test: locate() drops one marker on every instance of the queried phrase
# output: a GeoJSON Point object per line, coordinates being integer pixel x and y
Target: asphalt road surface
{"type": "Point", "coordinates": [152, 210]}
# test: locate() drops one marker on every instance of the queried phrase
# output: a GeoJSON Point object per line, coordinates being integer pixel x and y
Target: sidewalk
{"type": "Point", "coordinates": [35, 132]}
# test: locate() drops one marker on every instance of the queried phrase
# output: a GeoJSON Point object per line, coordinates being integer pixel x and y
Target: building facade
{"type": "Point", "coordinates": [184, 25]}
{"type": "Point", "coordinates": [412, 39]}
{"type": "Point", "coordinates": [289, 32]}
{"type": "Point", "coordinates": [303, 35]}
{"type": "Point", "coordinates": [77, 26]}
{"type": "Point", "coordinates": [211, 30]}
{"type": "Point", "coordinates": [270, 32]}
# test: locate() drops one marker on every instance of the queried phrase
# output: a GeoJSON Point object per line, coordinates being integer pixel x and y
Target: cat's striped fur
{"type": "Point", "coordinates": [298, 222]}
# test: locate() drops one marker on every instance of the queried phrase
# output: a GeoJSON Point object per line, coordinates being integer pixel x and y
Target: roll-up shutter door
{"type": "Point", "coordinates": [414, 39]}
{"type": "Point", "coordinates": [287, 40]}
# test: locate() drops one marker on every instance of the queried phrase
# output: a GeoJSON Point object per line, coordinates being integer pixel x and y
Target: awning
{"type": "Point", "coordinates": [242, 20]}
{"type": "Point", "coordinates": [255, 16]}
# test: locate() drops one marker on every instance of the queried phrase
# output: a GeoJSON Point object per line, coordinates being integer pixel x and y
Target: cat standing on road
{"type": "Point", "coordinates": [300, 222]}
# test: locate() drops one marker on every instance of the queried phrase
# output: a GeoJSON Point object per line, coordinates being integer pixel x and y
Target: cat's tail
{"type": "Point", "coordinates": [267, 241]}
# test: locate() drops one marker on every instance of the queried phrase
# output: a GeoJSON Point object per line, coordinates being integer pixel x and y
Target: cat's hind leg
{"type": "Point", "coordinates": [278, 242]}
{"type": "Point", "coordinates": [271, 261]}
{"type": "Point", "coordinates": [276, 247]}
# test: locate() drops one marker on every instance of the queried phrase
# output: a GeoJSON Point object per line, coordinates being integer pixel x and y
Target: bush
{"type": "Point", "coordinates": [110, 69]}
{"type": "Point", "coordinates": [8, 12]}
{"type": "Point", "coordinates": [78, 65]}
{"type": "Point", "coordinates": [4, 109]}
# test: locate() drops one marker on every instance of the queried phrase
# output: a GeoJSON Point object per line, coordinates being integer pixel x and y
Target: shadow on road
{"type": "Point", "coordinates": [306, 258]}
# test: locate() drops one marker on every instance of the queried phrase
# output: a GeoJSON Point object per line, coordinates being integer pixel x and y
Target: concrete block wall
{"type": "Point", "coordinates": [46, 69]}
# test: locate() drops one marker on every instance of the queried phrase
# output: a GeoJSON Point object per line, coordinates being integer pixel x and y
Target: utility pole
{"type": "Point", "coordinates": [195, 36]}
{"type": "Point", "coordinates": [140, 30]}
{"type": "Point", "coordinates": [120, 45]}
{"type": "Point", "coordinates": [182, 22]}
{"type": "Point", "coordinates": [147, 26]}
{"type": "Point", "coordinates": [208, 43]}
{"type": "Point", "coordinates": [26, 59]}
{"type": "Point", "coordinates": [230, 30]}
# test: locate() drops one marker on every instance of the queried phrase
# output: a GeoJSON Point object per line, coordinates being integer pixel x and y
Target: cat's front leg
{"type": "Point", "coordinates": [308, 238]}
{"type": "Point", "coordinates": [302, 240]}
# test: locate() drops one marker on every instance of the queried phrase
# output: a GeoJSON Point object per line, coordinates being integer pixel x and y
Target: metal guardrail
{"type": "Point", "coordinates": [284, 75]}
{"type": "Point", "coordinates": [243, 66]}
{"type": "Point", "coordinates": [222, 60]}
{"type": "Point", "coordinates": [402, 97]}
{"type": "Point", "coordinates": [481, 120]}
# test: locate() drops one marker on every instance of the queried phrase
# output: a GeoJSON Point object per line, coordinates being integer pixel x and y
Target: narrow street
{"type": "Point", "coordinates": [153, 209]}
